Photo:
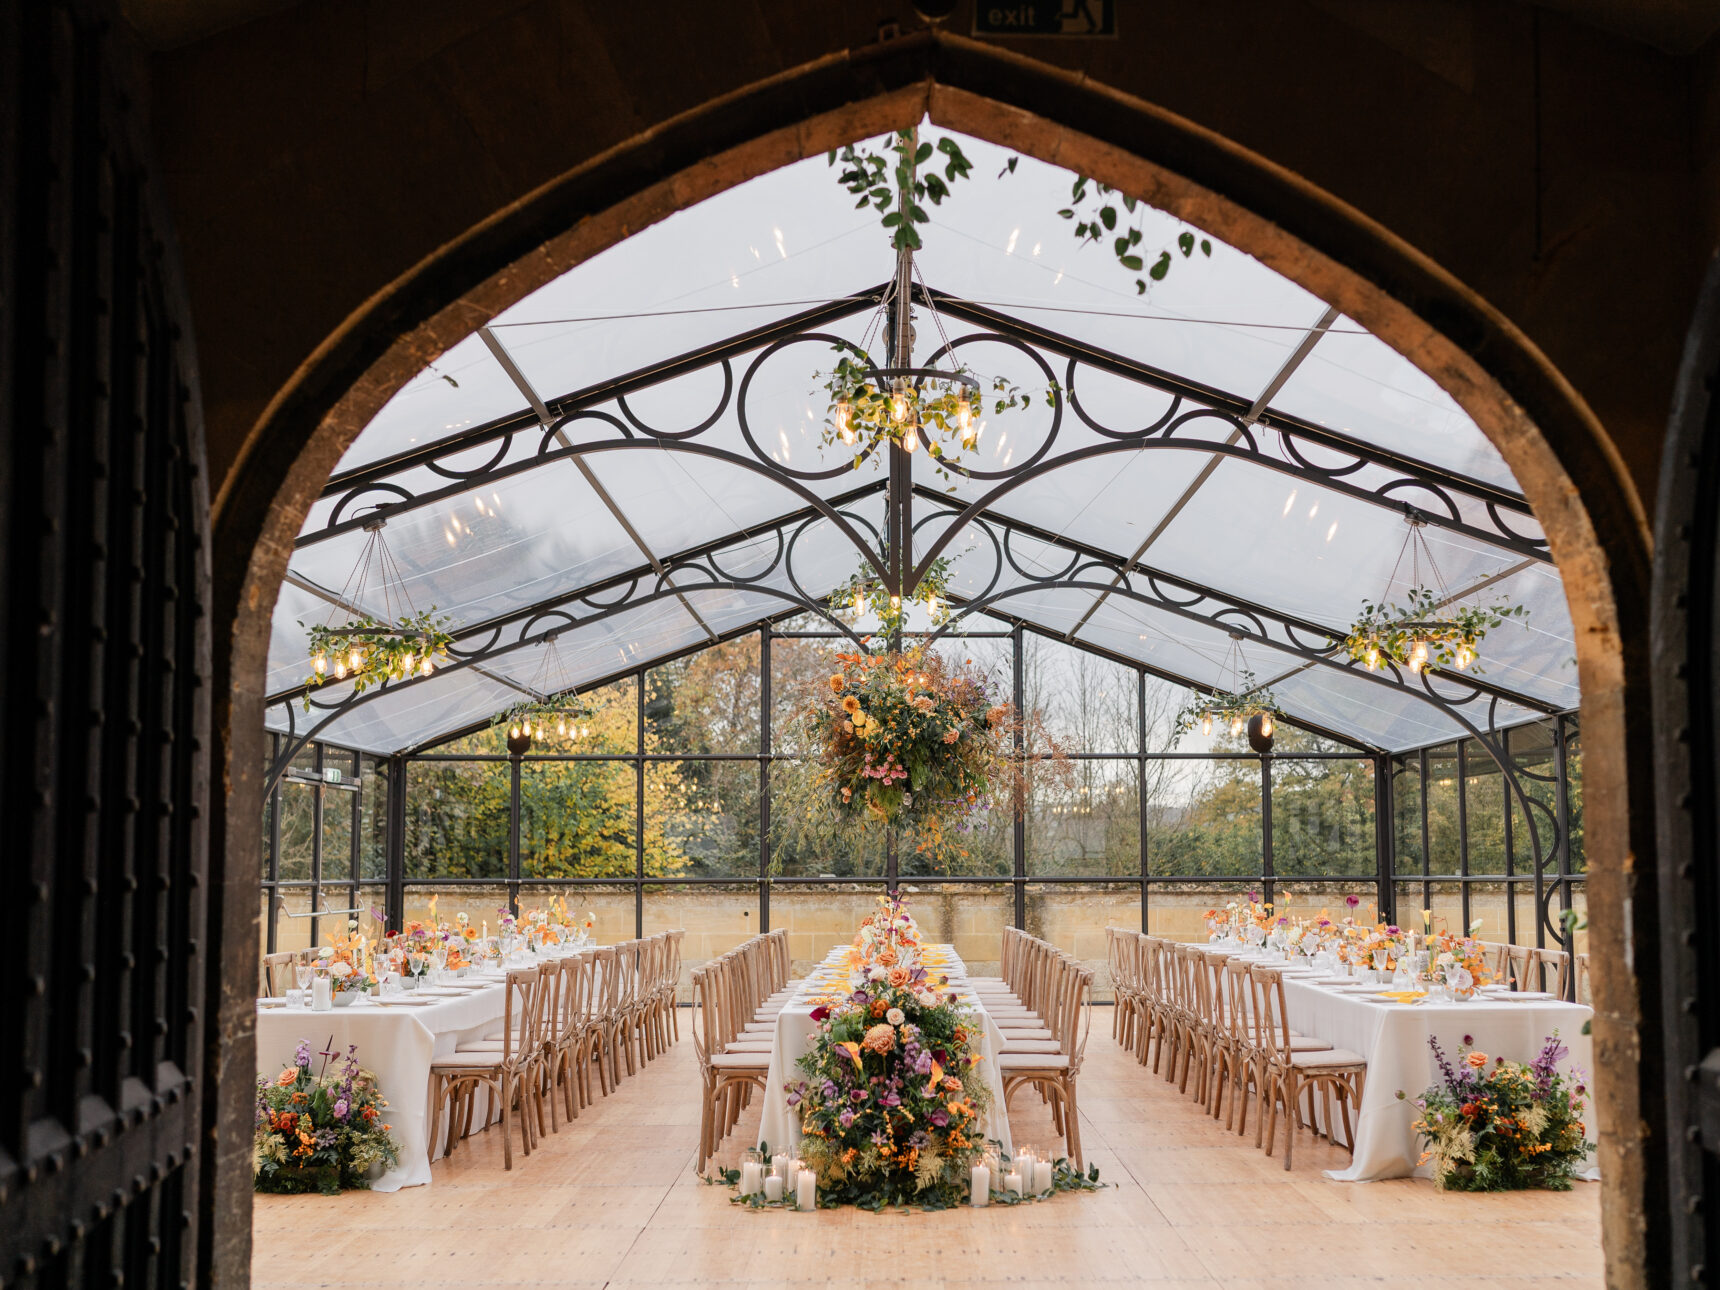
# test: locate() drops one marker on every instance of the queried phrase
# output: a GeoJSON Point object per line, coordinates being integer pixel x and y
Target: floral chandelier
{"type": "Point", "coordinates": [1245, 707]}
{"type": "Point", "coordinates": [1431, 626]}
{"type": "Point", "coordinates": [367, 647]}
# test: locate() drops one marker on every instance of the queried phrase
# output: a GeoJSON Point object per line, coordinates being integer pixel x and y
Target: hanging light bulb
{"type": "Point", "coordinates": [319, 661]}
{"type": "Point", "coordinates": [964, 420]}
{"type": "Point", "coordinates": [859, 599]}
{"type": "Point", "coordinates": [895, 604]}
{"type": "Point", "coordinates": [514, 731]}
{"type": "Point", "coordinates": [561, 727]}
{"type": "Point", "coordinates": [1465, 655]}
{"type": "Point", "coordinates": [1206, 723]}
{"type": "Point", "coordinates": [898, 400]}
{"type": "Point", "coordinates": [427, 666]}
{"type": "Point", "coordinates": [406, 665]}
{"type": "Point", "coordinates": [844, 420]}
{"type": "Point", "coordinates": [1236, 726]}
{"type": "Point", "coordinates": [355, 658]}
{"type": "Point", "coordinates": [340, 669]}
{"type": "Point", "coordinates": [1266, 725]}
{"type": "Point", "coordinates": [1418, 656]}
{"type": "Point", "coordinates": [1371, 656]}
{"type": "Point", "coordinates": [910, 438]}
{"type": "Point", "coordinates": [585, 732]}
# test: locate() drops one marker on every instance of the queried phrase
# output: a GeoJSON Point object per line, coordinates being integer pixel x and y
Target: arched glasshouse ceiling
{"type": "Point", "coordinates": [631, 462]}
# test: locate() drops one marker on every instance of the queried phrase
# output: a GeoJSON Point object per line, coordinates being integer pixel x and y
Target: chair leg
{"type": "Point", "coordinates": [1072, 1125]}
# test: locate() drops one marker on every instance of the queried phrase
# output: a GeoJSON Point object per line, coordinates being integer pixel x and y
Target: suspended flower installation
{"type": "Point", "coordinates": [1431, 626]}
{"type": "Point", "coordinates": [1247, 707]}
{"type": "Point", "coordinates": [866, 592]}
{"type": "Point", "coordinates": [369, 647]}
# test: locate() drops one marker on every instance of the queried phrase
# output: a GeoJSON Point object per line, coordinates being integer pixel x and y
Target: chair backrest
{"type": "Point", "coordinates": [1239, 1010]}
{"type": "Point", "coordinates": [1585, 991]}
{"type": "Point", "coordinates": [1550, 970]}
{"type": "Point", "coordinates": [1271, 1025]}
{"type": "Point", "coordinates": [275, 974]}
{"type": "Point", "coordinates": [521, 1014]}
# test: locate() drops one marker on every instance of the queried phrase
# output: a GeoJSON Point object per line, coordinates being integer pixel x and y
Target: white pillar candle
{"type": "Point", "coordinates": [981, 1196]}
{"type": "Point", "coordinates": [1042, 1175]}
{"type": "Point", "coordinates": [1012, 1183]}
{"type": "Point", "coordinates": [1023, 1164]}
{"type": "Point", "coordinates": [806, 1189]}
{"type": "Point", "coordinates": [773, 1188]}
{"type": "Point", "coordinates": [322, 995]}
{"type": "Point", "coordinates": [779, 1165]}
{"type": "Point", "coordinates": [750, 1181]}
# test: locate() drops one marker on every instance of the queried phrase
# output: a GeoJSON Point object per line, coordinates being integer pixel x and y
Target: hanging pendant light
{"type": "Point", "coordinates": [845, 420]}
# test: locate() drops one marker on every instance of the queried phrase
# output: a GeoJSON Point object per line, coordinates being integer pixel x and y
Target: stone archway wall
{"type": "Point", "coordinates": [1568, 467]}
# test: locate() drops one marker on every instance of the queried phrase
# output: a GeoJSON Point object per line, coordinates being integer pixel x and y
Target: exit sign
{"type": "Point", "coordinates": [1045, 18]}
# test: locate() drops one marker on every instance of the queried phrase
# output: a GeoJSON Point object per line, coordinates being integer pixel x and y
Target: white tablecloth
{"type": "Point", "coordinates": [779, 1125]}
{"type": "Point", "coordinates": [1393, 1037]}
{"type": "Point", "coordinates": [397, 1044]}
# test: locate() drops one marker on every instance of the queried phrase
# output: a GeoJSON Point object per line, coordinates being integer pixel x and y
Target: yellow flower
{"type": "Point", "coordinates": [837, 682]}
{"type": "Point", "coordinates": [850, 705]}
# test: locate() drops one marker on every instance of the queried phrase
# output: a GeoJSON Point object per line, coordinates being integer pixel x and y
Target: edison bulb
{"type": "Point", "coordinates": [898, 400]}
{"type": "Point", "coordinates": [910, 440]}
{"type": "Point", "coordinates": [895, 602]}
{"type": "Point", "coordinates": [319, 661]}
{"type": "Point", "coordinates": [1236, 726]}
{"type": "Point", "coordinates": [1206, 723]}
{"type": "Point", "coordinates": [427, 666]}
{"type": "Point", "coordinates": [355, 658]}
{"type": "Point", "coordinates": [1372, 658]}
{"type": "Point", "coordinates": [1266, 725]}
{"type": "Point", "coordinates": [1418, 656]}
{"type": "Point", "coordinates": [1465, 655]}
{"type": "Point", "coordinates": [561, 727]}
{"type": "Point", "coordinates": [340, 669]}
{"type": "Point", "coordinates": [845, 421]}
{"type": "Point", "coordinates": [964, 419]}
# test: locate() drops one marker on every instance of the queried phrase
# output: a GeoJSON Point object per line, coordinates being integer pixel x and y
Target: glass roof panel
{"type": "Point", "coordinates": [396, 719]}
{"type": "Point", "coordinates": [1358, 384]}
{"type": "Point", "coordinates": [463, 388]}
{"type": "Point", "coordinates": [792, 240]}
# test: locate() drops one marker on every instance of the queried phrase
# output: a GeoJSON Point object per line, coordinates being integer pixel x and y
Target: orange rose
{"type": "Point", "coordinates": [898, 977]}
{"type": "Point", "coordinates": [879, 1007]}
{"type": "Point", "coordinates": [953, 1084]}
{"type": "Point", "coordinates": [1476, 1060]}
{"type": "Point", "coordinates": [887, 957]}
{"type": "Point", "coordinates": [287, 1076]}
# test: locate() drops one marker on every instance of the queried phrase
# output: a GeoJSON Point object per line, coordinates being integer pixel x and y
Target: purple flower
{"type": "Point", "coordinates": [846, 1119]}
{"type": "Point", "coordinates": [860, 996]}
{"type": "Point", "coordinates": [858, 1095]}
{"type": "Point", "coordinates": [939, 1118]}
{"type": "Point", "coordinates": [341, 1108]}
{"type": "Point", "coordinates": [891, 1099]}
{"type": "Point", "coordinates": [793, 1096]}
{"type": "Point", "coordinates": [924, 1065]}
{"type": "Point", "coordinates": [820, 1012]}
{"type": "Point", "coordinates": [302, 1055]}
{"type": "Point", "coordinates": [829, 1089]}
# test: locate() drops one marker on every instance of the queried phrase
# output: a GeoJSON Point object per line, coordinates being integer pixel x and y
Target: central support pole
{"type": "Point", "coordinates": [899, 530]}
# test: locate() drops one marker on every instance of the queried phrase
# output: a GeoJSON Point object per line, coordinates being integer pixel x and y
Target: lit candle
{"type": "Point", "coordinates": [1012, 1183]}
{"type": "Point", "coordinates": [773, 1188]}
{"type": "Point", "coordinates": [1042, 1176]}
{"type": "Point", "coordinates": [750, 1171]}
{"type": "Point", "coordinates": [806, 1190]}
{"type": "Point", "coordinates": [779, 1165]}
{"type": "Point", "coordinates": [981, 1195]}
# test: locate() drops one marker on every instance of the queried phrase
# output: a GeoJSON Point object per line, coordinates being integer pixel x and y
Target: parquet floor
{"type": "Point", "coordinates": [612, 1201]}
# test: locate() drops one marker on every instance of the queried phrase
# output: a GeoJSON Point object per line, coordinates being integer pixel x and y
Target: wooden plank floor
{"type": "Point", "coordinates": [612, 1201]}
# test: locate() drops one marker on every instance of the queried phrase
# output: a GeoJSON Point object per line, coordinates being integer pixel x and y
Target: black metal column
{"type": "Point", "coordinates": [764, 692]}
{"type": "Point", "coordinates": [1463, 830]}
{"type": "Point", "coordinates": [1385, 837]}
{"type": "Point", "coordinates": [1019, 823]}
{"type": "Point", "coordinates": [1266, 867]}
{"type": "Point", "coordinates": [515, 763]}
{"type": "Point", "coordinates": [1141, 782]}
{"type": "Point", "coordinates": [394, 844]}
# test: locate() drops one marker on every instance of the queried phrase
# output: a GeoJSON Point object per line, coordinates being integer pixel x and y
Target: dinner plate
{"type": "Point", "coordinates": [1524, 996]}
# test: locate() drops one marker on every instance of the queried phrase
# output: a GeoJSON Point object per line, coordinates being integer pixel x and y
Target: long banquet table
{"type": "Point", "coordinates": [780, 1126]}
{"type": "Point", "coordinates": [396, 1040]}
{"type": "Point", "coordinates": [1394, 1039]}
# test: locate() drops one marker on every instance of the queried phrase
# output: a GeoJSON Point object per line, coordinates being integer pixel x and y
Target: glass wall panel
{"type": "Point", "coordinates": [820, 917]}
{"type": "Point", "coordinates": [1088, 824]}
{"type": "Point", "coordinates": [1484, 809]}
{"type": "Point", "coordinates": [852, 855]}
{"type": "Point", "coordinates": [482, 903]}
{"type": "Point", "coordinates": [457, 819]}
{"type": "Point", "coordinates": [1406, 806]}
{"type": "Point", "coordinates": [707, 702]}
{"type": "Point", "coordinates": [981, 846]}
{"type": "Point", "coordinates": [1204, 817]}
{"type": "Point", "coordinates": [702, 819]}
{"type": "Point", "coordinates": [716, 916]}
{"type": "Point", "coordinates": [1088, 704]}
{"type": "Point", "coordinates": [1443, 843]}
{"type": "Point", "coordinates": [1323, 817]}
{"type": "Point", "coordinates": [970, 916]}
{"type": "Point", "coordinates": [337, 838]}
{"type": "Point", "coordinates": [298, 830]}
{"type": "Point", "coordinates": [1074, 916]}
{"type": "Point", "coordinates": [294, 933]}
{"type": "Point", "coordinates": [578, 819]}
{"type": "Point", "coordinates": [373, 822]}
{"type": "Point", "coordinates": [610, 906]}
{"type": "Point", "coordinates": [1178, 911]}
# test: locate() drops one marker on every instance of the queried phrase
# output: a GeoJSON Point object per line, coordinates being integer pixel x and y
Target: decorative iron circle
{"type": "Point", "coordinates": [835, 342]}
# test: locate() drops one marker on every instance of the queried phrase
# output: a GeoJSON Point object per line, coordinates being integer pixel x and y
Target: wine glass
{"type": "Point", "coordinates": [439, 962]}
{"type": "Point", "coordinates": [418, 961]}
{"type": "Point", "coordinates": [304, 974]}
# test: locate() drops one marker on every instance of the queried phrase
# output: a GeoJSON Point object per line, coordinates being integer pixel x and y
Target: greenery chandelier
{"type": "Point", "coordinates": [1245, 707]}
{"type": "Point", "coordinates": [370, 647]}
{"type": "Point", "coordinates": [1431, 626]}
{"type": "Point", "coordinates": [562, 718]}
